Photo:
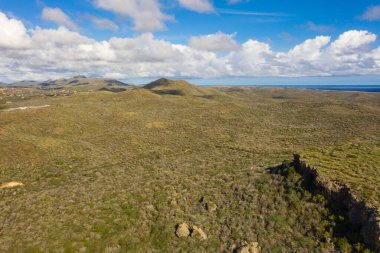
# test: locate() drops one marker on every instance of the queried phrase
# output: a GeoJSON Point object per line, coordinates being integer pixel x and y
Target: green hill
{"type": "Point", "coordinates": [165, 86]}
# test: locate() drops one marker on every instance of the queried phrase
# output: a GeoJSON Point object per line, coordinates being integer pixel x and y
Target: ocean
{"type": "Point", "coordinates": [362, 88]}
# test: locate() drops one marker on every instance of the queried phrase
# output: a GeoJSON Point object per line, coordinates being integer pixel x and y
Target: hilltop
{"type": "Point", "coordinates": [76, 81]}
{"type": "Point", "coordinates": [164, 83]}
{"type": "Point", "coordinates": [25, 84]}
{"type": "Point", "coordinates": [165, 86]}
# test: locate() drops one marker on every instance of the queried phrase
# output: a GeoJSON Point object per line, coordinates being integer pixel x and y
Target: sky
{"type": "Point", "coordinates": [226, 41]}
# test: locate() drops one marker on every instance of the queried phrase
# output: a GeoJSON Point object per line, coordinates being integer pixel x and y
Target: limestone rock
{"type": "Point", "coordinates": [211, 207]}
{"type": "Point", "coordinates": [208, 205]}
{"type": "Point", "coordinates": [198, 233]}
{"type": "Point", "coordinates": [243, 249]}
{"type": "Point", "coordinates": [10, 185]}
{"type": "Point", "coordinates": [252, 247]}
{"type": "Point", "coordinates": [182, 230]}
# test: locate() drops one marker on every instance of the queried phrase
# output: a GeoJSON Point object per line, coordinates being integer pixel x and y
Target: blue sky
{"type": "Point", "coordinates": [262, 33]}
{"type": "Point", "coordinates": [282, 23]}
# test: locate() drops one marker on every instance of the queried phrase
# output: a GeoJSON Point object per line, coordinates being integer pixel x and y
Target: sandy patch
{"type": "Point", "coordinates": [155, 125]}
{"type": "Point", "coordinates": [131, 114]}
{"type": "Point", "coordinates": [10, 185]}
{"type": "Point", "coordinates": [225, 109]}
{"type": "Point", "coordinates": [26, 107]}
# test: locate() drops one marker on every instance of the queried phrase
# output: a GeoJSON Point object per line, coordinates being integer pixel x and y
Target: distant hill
{"type": "Point", "coordinates": [26, 83]}
{"type": "Point", "coordinates": [165, 86]}
{"type": "Point", "coordinates": [3, 84]}
{"type": "Point", "coordinates": [70, 82]}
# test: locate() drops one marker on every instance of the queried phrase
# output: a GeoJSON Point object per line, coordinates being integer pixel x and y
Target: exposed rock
{"type": "Point", "coordinates": [359, 213]}
{"type": "Point", "coordinates": [208, 205]}
{"type": "Point", "coordinates": [252, 247]}
{"type": "Point", "coordinates": [198, 233]}
{"type": "Point", "coordinates": [211, 207]}
{"type": "Point", "coordinates": [182, 230]}
{"type": "Point", "coordinates": [371, 230]}
{"type": "Point", "coordinates": [10, 185]}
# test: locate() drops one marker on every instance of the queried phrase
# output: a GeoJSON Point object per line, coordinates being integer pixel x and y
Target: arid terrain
{"type": "Point", "coordinates": [101, 166]}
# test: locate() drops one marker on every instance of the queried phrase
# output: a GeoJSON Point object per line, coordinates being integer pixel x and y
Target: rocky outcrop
{"type": "Point", "coordinates": [339, 196]}
{"type": "Point", "coordinates": [198, 233]}
{"type": "Point", "coordinates": [10, 184]}
{"type": "Point", "coordinates": [208, 205]}
{"type": "Point", "coordinates": [252, 247]}
{"type": "Point", "coordinates": [182, 230]}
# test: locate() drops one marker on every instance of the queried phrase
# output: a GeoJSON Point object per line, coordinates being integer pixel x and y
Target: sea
{"type": "Point", "coordinates": [362, 88]}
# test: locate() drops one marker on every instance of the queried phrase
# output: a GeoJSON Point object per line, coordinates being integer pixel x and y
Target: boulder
{"type": "Point", "coordinates": [208, 205]}
{"type": "Point", "coordinates": [252, 247]}
{"type": "Point", "coordinates": [11, 184]}
{"type": "Point", "coordinates": [198, 233]}
{"type": "Point", "coordinates": [182, 230]}
{"type": "Point", "coordinates": [211, 207]}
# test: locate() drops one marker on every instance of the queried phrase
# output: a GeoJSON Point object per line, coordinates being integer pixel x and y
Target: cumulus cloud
{"type": "Point", "coordinates": [371, 14]}
{"type": "Point", "coordinates": [217, 42]}
{"type": "Point", "coordinates": [53, 53]}
{"type": "Point", "coordinates": [57, 16]}
{"type": "Point", "coordinates": [310, 50]}
{"type": "Point", "coordinates": [13, 33]}
{"type": "Point", "coordinates": [146, 14]}
{"type": "Point", "coordinates": [352, 42]}
{"type": "Point", "coordinates": [197, 5]}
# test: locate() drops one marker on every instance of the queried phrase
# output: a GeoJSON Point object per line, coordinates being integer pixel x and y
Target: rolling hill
{"type": "Point", "coordinates": [76, 81]}
{"type": "Point", "coordinates": [165, 86]}
{"type": "Point", "coordinates": [152, 170]}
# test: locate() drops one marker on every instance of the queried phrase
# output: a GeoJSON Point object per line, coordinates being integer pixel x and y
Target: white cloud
{"type": "Point", "coordinates": [371, 14]}
{"type": "Point", "coordinates": [57, 16]}
{"type": "Point", "coordinates": [350, 54]}
{"type": "Point", "coordinates": [12, 33]}
{"type": "Point", "coordinates": [197, 5]}
{"type": "Point", "coordinates": [53, 53]}
{"type": "Point", "coordinates": [353, 42]}
{"type": "Point", "coordinates": [254, 58]}
{"type": "Point", "coordinates": [214, 42]}
{"type": "Point", "coordinates": [104, 24]}
{"type": "Point", "coordinates": [309, 50]}
{"type": "Point", "coordinates": [146, 14]}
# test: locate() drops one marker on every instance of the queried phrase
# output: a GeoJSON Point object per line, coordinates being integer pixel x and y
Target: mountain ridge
{"type": "Point", "coordinates": [64, 82]}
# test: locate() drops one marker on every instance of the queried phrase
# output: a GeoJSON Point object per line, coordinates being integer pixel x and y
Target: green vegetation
{"type": "Point", "coordinates": [117, 171]}
{"type": "Point", "coordinates": [334, 224]}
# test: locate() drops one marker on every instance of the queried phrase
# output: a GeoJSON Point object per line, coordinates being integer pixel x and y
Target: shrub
{"type": "Point", "coordinates": [343, 244]}
{"type": "Point", "coordinates": [318, 198]}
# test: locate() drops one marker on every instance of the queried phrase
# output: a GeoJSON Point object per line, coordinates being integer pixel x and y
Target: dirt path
{"type": "Point", "coordinates": [26, 107]}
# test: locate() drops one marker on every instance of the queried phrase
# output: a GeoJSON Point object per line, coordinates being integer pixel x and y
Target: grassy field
{"type": "Point", "coordinates": [116, 172]}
